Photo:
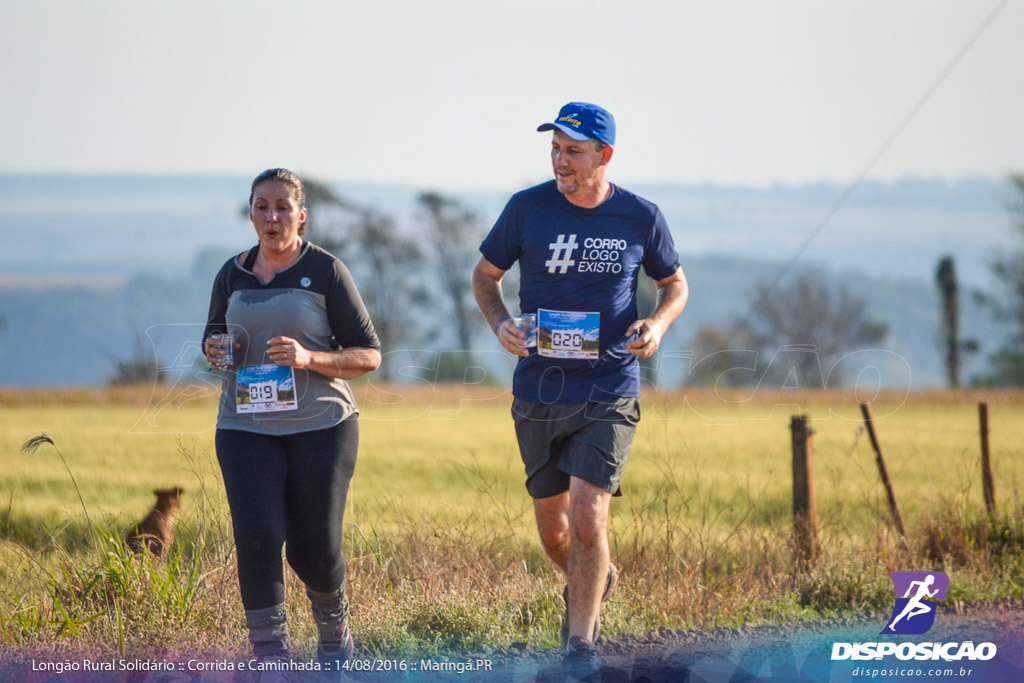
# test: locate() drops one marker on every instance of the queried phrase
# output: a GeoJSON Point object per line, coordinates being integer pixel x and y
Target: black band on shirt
{"type": "Point", "coordinates": [250, 259]}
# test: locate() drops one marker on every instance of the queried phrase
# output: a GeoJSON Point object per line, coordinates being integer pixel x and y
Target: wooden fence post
{"type": "Point", "coordinates": [986, 463]}
{"type": "Point", "coordinates": [806, 549]}
{"type": "Point", "coordinates": [894, 506]}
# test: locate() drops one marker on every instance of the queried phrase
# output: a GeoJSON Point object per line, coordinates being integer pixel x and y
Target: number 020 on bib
{"type": "Point", "coordinates": [568, 334]}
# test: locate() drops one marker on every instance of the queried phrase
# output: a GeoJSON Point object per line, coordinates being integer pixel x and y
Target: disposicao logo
{"type": "Point", "coordinates": [916, 593]}
{"type": "Point", "coordinates": [914, 614]}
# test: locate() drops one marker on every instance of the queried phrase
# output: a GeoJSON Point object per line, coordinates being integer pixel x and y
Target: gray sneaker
{"type": "Point", "coordinates": [335, 654]}
{"type": "Point", "coordinates": [609, 586]}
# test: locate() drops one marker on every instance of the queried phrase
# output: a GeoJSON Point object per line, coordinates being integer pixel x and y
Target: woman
{"type": "Point", "coordinates": [287, 428]}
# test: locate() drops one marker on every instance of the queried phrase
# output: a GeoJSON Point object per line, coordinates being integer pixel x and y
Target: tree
{"type": "Point", "coordinates": [723, 356]}
{"type": "Point", "coordinates": [456, 234]}
{"type": "Point", "coordinates": [953, 346]}
{"type": "Point", "coordinates": [1008, 361]}
{"type": "Point", "coordinates": [795, 334]}
{"type": "Point", "coordinates": [329, 219]}
{"type": "Point", "coordinates": [392, 266]}
{"type": "Point", "coordinates": [386, 264]}
{"type": "Point", "coordinates": [139, 368]}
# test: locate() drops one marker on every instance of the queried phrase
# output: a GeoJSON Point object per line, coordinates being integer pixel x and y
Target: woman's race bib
{"type": "Point", "coordinates": [266, 388]}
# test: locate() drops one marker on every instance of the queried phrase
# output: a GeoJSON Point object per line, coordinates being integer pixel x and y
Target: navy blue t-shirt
{"type": "Point", "coordinates": [577, 259]}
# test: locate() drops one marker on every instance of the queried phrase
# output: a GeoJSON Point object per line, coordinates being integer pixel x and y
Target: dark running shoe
{"type": "Point", "coordinates": [582, 659]}
{"type": "Point", "coordinates": [332, 657]}
{"type": "Point", "coordinates": [609, 586]}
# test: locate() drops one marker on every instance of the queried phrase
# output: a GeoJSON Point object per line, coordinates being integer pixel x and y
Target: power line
{"type": "Point", "coordinates": [889, 141]}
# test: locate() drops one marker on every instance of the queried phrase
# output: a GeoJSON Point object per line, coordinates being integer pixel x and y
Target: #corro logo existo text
{"type": "Point", "coordinates": [599, 255]}
{"type": "Point", "coordinates": [914, 614]}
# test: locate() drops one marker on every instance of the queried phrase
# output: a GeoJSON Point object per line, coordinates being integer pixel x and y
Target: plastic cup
{"type": "Point", "coordinates": [226, 342]}
{"type": "Point", "coordinates": [528, 324]}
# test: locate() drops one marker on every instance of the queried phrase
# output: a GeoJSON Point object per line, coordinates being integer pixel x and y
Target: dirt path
{"type": "Point", "coordinates": [799, 652]}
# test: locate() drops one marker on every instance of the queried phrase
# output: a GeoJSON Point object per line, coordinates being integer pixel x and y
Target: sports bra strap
{"type": "Point", "coordinates": [250, 260]}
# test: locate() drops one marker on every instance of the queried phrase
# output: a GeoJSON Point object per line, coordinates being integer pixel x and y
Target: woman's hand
{"type": "Point", "coordinates": [343, 364]}
{"type": "Point", "coordinates": [288, 352]}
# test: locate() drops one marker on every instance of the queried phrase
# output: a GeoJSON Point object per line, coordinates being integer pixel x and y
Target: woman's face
{"type": "Point", "coordinates": [276, 216]}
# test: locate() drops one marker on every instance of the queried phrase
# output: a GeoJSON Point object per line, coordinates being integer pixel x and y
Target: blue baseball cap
{"type": "Point", "coordinates": [582, 121]}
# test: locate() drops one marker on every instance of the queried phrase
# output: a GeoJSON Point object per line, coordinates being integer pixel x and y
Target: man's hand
{"type": "Point", "coordinates": [672, 295]}
{"type": "Point", "coordinates": [647, 338]}
{"type": "Point", "coordinates": [487, 291]}
{"type": "Point", "coordinates": [512, 338]}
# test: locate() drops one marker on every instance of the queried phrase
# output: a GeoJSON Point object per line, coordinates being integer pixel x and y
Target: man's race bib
{"type": "Point", "coordinates": [568, 334]}
{"type": "Point", "coordinates": [265, 389]}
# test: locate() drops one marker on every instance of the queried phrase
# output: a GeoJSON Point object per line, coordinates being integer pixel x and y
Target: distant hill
{"type": "Point", "coordinates": [894, 230]}
{"type": "Point", "coordinates": [72, 335]}
{"type": "Point", "coordinates": [100, 262]}
{"type": "Point", "coordinates": [109, 226]}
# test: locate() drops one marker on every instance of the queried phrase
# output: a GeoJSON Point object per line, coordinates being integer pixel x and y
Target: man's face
{"type": "Point", "coordinates": [576, 163]}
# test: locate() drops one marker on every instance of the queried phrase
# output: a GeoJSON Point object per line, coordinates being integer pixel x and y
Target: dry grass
{"type": "Point", "coordinates": [442, 551]}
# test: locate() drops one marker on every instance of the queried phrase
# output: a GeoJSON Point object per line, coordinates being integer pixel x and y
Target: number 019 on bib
{"type": "Point", "coordinates": [265, 388]}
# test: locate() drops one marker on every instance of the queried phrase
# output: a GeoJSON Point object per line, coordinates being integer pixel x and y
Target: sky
{"type": "Point", "coordinates": [448, 94]}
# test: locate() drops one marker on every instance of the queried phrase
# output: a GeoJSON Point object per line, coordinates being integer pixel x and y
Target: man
{"type": "Point", "coordinates": [580, 242]}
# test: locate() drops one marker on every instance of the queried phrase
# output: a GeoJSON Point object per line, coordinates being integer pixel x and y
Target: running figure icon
{"type": "Point", "coordinates": [915, 605]}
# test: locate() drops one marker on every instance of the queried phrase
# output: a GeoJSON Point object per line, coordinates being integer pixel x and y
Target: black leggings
{"type": "Point", "coordinates": [292, 489]}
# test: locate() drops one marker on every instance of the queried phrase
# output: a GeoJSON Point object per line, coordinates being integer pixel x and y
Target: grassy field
{"type": "Point", "coordinates": [439, 528]}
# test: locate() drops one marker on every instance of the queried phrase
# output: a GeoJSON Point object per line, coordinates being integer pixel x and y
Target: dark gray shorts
{"type": "Point", "coordinates": [589, 441]}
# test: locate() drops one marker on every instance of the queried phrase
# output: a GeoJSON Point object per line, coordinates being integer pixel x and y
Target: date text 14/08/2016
{"type": "Point", "coordinates": [423, 665]}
